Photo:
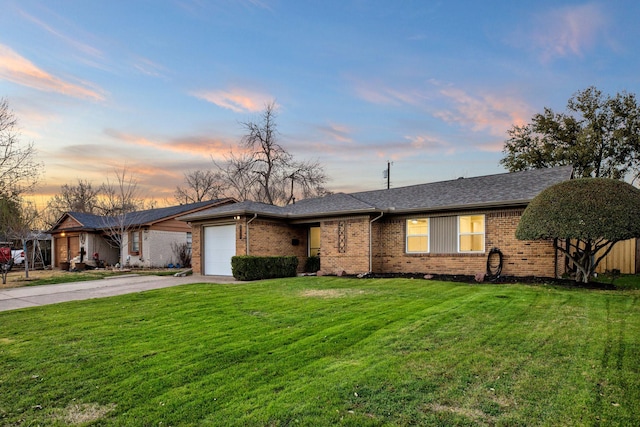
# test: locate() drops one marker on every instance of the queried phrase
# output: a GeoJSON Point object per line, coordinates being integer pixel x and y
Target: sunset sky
{"type": "Point", "coordinates": [160, 87]}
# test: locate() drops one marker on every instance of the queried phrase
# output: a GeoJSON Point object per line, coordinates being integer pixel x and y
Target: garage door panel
{"type": "Point", "coordinates": [219, 247]}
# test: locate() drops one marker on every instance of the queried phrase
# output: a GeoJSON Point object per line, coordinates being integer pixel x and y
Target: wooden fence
{"type": "Point", "coordinates": [624, 257]}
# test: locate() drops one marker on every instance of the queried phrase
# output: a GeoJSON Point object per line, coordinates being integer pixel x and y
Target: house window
{"type": "Point", "coordinates": [314, 241]}
{"type": "Point", "coordinates": [189, 241]}
{"type": "Point", "coordinates": [134, 243]}
{"type": "Point", "coordinates": [417, 235]}
{"type": "Point", "coordinates": [471, 233]}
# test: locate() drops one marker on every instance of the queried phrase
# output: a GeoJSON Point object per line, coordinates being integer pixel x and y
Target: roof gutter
{"type": "Point", "coordinates": [255, 215]}
{"type": "Point", "coordinates": [371, 241]}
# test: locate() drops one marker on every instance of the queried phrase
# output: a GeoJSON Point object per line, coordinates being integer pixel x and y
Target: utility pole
{"type": "Point", "coordinates": [386, 174]}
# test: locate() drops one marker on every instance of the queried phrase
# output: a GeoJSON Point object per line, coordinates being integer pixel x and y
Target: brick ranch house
{"type": "Point", "coordinates": [78, 236]}
{"type": "Point", "coordinates": [444, 227]}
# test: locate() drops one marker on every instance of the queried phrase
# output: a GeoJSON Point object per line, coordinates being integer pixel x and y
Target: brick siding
{"type": "Point", "coordinates": [521, 258]}
{"type": "Point", "coordinates": [344, 246]}
{"type": "Point", "coordinates": [196, 248]}
{"type": "Point", "coordinates": [352, 254]}
{"type": "Point", "coordinates": [273, 238]}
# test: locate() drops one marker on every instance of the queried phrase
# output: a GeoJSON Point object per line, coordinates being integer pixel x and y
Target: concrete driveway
{"type": "Point", "coordinates": [31, 296]}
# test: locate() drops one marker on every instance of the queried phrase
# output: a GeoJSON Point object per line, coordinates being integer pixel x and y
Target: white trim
{"type": "Point", "coordinates": [406, 235]}
{"type": "Point", "coordinates": [309, 239]}
{"type": "Point", "coordinates": [483, 234]}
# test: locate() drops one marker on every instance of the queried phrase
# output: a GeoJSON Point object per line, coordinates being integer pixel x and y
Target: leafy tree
{"type": "Point", "coordinates": [200, 185]}
{"type": "Point", "coordinates": [591, 213]}
{"type": "Point", "coordinates": [598, 135]}
{"type": "Point", "coordinates": [265, 171]}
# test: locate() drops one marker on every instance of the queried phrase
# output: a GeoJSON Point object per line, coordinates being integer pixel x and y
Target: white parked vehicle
{"type": "Point", "coordinates": [18, 256]}
{"type": "Point", "coordinates": [9, 258]}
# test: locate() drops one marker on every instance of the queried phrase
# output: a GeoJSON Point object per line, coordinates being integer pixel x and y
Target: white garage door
{"type": "Point", "coordinates": [219, 247]}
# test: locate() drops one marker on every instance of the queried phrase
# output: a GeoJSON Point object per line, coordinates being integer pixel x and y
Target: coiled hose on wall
{"type": "Point", "coordinates": [494, 269]}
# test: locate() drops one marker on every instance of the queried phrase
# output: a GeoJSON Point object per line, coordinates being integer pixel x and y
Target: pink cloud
{"type": "Point", "coordinates": [237, 100]}
{"type": "Point", "coordinates": [82, 47]}
{"type": "Point", "coordinates": [148, 67]}
{"type": "Point", "coordinates": [17, 69]}
{"type": "Point", "coordinates": [569, 31]}
{"type": "Point", "coordinates": [340, 133]}
{"type": "Point", "coordinates": [377, 93]}
{"type": "Point", "coordinates": [429, 143]}
{"type": "Point", "coordinates": [487, 112]}
{"type": "Point", "coordinates": [199, 146]}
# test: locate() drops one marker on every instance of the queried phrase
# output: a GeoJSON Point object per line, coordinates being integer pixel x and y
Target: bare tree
{"type": "Point", "coordinates": [19, 171]}
{"type": "Point", "coordinates": [200, 185]}
{"type": "Point", "coordinates": [9, 209]}
{"type": "Point", "coordinates": [309, 177]}
{"type": "Point", "coordinates": [120, 200]}
{"type": "Point", "coordinates": [120, 196]}
{"type": "Point", "coordinates": [19, 227]}
{"type": "Point", "coordinates": [238, 176]}
{"type": "Point", "coordinates": [268, 157]}
{"type": "Point", "coordinates": [81, 197]}
{"type": "Point", "coordinates": [266, 172]}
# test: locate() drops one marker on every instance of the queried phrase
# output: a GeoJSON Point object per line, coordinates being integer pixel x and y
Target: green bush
{"type": "Point", "coordinates": [590, 214]}
{"type": "Point", "coordinates": [312, 264]}
{"type": "Point", "coordinates": [258, 267]}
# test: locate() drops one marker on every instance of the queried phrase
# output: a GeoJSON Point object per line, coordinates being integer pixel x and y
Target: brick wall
{"type": "Point", "coordinates": [273, 238]}
{"type": "Point", "coordinates": [266, 238]}
{"type": "Point", "coordinates": [344, 245]}
{"type": "Point", "coordinates": [521, 258]}
{"type": "Point", "coordinates": [196, 248]}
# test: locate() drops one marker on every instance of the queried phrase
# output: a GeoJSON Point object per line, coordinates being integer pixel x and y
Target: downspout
{"type": "Point", "coordinates": [371, 241]}
{"type": "Point", "coordinates": [247, 233]}
{"type": "Point", "coordinates": [555, 258]}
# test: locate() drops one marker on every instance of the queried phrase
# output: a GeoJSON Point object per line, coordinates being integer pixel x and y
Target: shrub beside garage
{"type": "Point", "coordinates": [247, 267]}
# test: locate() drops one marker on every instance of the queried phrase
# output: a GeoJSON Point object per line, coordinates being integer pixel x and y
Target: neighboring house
{"type": "Point", "coordinates": [87, 238]}
{"type": "Point", "coordinates": [440, 228]}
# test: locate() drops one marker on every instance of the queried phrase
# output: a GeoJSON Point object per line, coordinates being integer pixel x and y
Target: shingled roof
{"type": "Point", "coordinates": [489, 191]}
{"type": "Point", "coordinates": [516, 188]}
{"type": "Point", "coordinates": [139, 218]}
{"type": "Point", "coordinates": [89, 221]}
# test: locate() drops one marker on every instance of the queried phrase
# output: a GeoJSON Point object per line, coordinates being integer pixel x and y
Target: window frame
{"type": "Point", "coordinates": [131, 242]}
{"type": "Point", "coordinates": [189, 241]}
{"type": "Point", "coordinates": [483, 234]}
{"type": "Point", "coordinates": [312, 250]}
{"type": "Point", "coordinates": [407, 235]}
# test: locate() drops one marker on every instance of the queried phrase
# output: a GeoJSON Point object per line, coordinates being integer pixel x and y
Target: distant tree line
{"type": "Point", "coordinates": [259, 169]}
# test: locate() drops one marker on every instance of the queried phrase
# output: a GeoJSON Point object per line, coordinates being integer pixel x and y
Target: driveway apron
{"type": "Point", "coordinates": [32, 296]}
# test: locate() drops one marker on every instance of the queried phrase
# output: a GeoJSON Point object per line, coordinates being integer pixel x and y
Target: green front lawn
{"type": "Point", "coordinates": [326, 351]}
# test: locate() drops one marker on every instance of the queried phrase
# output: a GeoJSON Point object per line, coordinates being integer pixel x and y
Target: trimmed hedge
{"type": "Point", "coordinates": [585, 209]}
{"type": "Point", "coordinates": [312, 264]}
{"type": "Point", "coordinates": [261, 267]}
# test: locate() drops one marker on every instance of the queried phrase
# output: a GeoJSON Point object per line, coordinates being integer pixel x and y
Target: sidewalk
{"type": "Point", "coordinates": [32, 296]}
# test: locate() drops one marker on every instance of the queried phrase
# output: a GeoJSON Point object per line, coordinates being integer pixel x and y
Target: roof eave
{"type": "Point", "coordinates": [250, 212]}
{"type": "Point", "coordinates": [334, 213]}
{"type": "Point", "coordinates": [221, 202]}
{"type": "Point", "coordinates": [241, 212]}
{"type": "Point", "coordinates": [461, 207]}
